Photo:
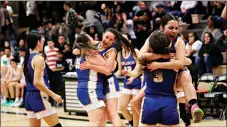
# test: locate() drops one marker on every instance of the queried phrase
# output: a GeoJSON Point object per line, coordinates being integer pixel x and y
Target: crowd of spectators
{"type": "Point", "coordinates": [137, 19]}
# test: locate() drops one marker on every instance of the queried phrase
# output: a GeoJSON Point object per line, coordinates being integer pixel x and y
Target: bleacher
{"type": "Point", "coordinates": [221, 69]}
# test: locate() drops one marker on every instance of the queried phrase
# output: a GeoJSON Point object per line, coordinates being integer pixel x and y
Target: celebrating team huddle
{"type": "Point", "coordinates": [156, 79]}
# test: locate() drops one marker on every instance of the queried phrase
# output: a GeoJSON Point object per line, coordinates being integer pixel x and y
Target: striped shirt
{"type": "Point", "coordinates": [51, 56]}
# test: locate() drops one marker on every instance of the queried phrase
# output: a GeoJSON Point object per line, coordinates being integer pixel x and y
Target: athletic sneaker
{"type": "Point", "coordinates": [197, 113]}
{"type": "Point", "coordinates": [19, 103]}
{"type": "Point", "coordinates": [9, 103]}
{"type": "Point", "coordinates": [3, 102]}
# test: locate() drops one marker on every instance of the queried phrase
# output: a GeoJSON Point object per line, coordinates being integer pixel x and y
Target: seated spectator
{"type": "Point", "coordinates": [19, 45]}
{"type": "Point", "coordinates": [61, 42]}
{"type": "Point", "coordinates": [7, 45]}
{"type": "Point", "coordinates": [212, 28]}
{"type": "Point", "coordinates": [221, 43]}
{"type": "Point", "coordinates": [192, 49]}
{"type": "Point", "coordinates": [68, 57]}
{"type": "Point", "coordinates": [5, 62]}
{"type": "Point", "coordinates": [61, 63]}
{"type": "Point", "coordinates": [16, 83]}
{"type": "Point", "coordinates": [193, 46]}
{"type": "Point", "coordinates": [5, 100]}
{"type": "Point", "coordinates": [78, 30]}
{"type": "Point", "coordinates": [209, 55]}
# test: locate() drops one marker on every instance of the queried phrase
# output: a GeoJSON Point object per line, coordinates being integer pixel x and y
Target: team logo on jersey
{"type": "Point", "coordinates": [92, 92]}
{"type": "Point", "coordinates": [158, 76]}
{"type": "Point", "coordinates": [125, 63]}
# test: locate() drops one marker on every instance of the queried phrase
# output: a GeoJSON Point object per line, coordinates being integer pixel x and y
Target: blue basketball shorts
{"type": "Point", "coordinates": [111, 87]}
{"type": "Point", "coordinates": [36, 106]}
{"type": "Point", "coordinates": [159, 109]}
{"type": "Point", "coordinates": [90, 98]}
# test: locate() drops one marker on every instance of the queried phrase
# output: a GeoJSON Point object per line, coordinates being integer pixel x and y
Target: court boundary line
{"type": "Point", "coordinates": [60, 117]}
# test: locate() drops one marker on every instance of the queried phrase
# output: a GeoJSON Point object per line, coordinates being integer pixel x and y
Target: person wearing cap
{"type": "Point", "coordinates": [160, 12]}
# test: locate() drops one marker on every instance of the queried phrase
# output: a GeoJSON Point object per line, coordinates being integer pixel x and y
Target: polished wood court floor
{"type": "Point", "coordinates": [17, 117]}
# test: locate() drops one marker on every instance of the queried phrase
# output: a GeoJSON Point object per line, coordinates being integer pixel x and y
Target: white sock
{"type": "Point", "coordinates": [17, 99]}
{"type": "Point", "coordinates": [21, 99]}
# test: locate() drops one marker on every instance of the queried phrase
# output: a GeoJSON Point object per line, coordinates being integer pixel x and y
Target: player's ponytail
{"type": "Point", "coordinates": [25, 66]}
{"type": "Point", "coordinates": [32, 40]}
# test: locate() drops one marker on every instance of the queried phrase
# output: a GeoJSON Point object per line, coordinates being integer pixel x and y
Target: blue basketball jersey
{"type": "Point", "coordinates": [160, 82]}
{"type": "Point", "coordinates": [29, 85]}
{"type": "Point", "coordinates": [104, 51]}
{"type": "Point", "coordinates": [88, 75]}
{"type": "Point", "coordinates": [173, 50]}
{"type": "Point", "coordinates": [129, 64]}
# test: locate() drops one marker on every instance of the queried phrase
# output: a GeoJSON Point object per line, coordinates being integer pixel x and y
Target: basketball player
{"type": "Point", "coordinates": [90, 83]}
{"type": "Point", "coordinates": [159, 105]}
{"type": "Point", "coordinates": [169, 26]}
{"type": "Point", "coordinates": [37, 82]}
{"type": "Point", "coordinates": [128, 63]}
{"type": "Point", "coordinates": [108, 48]}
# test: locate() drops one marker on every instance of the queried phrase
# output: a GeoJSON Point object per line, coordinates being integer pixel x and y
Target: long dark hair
{"type": "Point", "coordinates": [10, 27]}
{"type": "Point", "coordinates": [166, 18]}
{"type": "Point", "coordinates": [159, 43]}
{"type": "Point", "coordinates": [32, 39]}
{"type": "Point", "coordinates": [212, 39]}
{"type": "Point", "coordinates": [120, 39]}
{"type": "Point", "coordinates": [195, 36]}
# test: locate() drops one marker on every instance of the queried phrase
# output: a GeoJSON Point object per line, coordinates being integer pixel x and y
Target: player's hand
{"type": "Point", "coordinates": [129, 81]}
{"type": "Point", "coordinates": [153, 66]}
{"type": "Point", "coordinates": [125, 72]}
{"type": "Point", "coordinates": [57, 98]}
{"type": "Point", "coordinates": [90, 38]}
{"type": "Point", "coordinates": [84, 66]}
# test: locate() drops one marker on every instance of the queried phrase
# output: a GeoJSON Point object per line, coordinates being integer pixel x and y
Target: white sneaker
{"type": "Point", "coordinates": [18, 104]}
{"type": "Point", "coordinates": [3, 101]}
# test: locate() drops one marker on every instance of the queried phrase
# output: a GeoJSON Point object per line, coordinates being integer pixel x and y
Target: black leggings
{"type": "Point", "coordinates": [183, 114]}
